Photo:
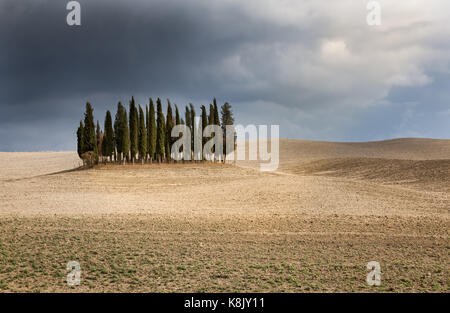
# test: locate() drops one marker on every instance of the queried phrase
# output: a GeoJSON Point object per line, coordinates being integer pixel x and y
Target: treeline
{"type": "Point", "coordinates": [143, 134]}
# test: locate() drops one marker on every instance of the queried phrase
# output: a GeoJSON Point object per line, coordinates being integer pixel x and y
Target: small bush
{"type": "Point", "coordinates": [89, 159]}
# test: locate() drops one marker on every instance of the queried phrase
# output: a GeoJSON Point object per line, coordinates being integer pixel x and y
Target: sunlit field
{"type": "Point", "coordinates": [311, 226]}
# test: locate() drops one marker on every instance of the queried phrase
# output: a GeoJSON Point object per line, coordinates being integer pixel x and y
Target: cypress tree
{"type": "Point", "coordinates": [226, 115]}
{"type": "Point", "coordinates": [211, 115]}
{"type": "Point", "coordinates": [211, 122]}
{"type": "Point", "coordinates": [99, 139]}
{"type": "Point", "coordinates": [142, 136]}
{"type": "Point", "coordinates": [216, 114]}
{"type": "Point", "coordinates": [193, 127]}
{"type": "Point", "coordinates": [80, 141]}
{"type": "Point", "coordinates": [182, 122]}
{"type": "Point", "coordinates": [160, 140]}
{"type": "Point", "coordinates": [227, 119]}
{"type": "Point", "coordinates": [119, 130]}
{"type": "Point", "coordinates": [108, 139]}
{"type": "Point", "coordinates": [133, 129]}
{"type": "Point", "coordinates": [216, 117]}
{"type": "Point", "coordinates": [103, 145]}
{"type": "Point", "coordinates": [177, 116]}
{"type": "Point", "coordinates": [147, 127]}
{"type": "Point", "coordinates": [187, 116]}
{"type": "Point", "coordinates": [192, 111]}
{"type": "Point", "coordinates": [98, 136]}
{"type": "Point", "coordinates": [177, 122]}
{"type": "Point", "coordinates": [169, 126]}
{"type": "Point", "coordinates": [151, 134]}
{"type": "Point", "coordinates": [204, 124]}
{"type": "Point", "coordinates": [125, 136]}
{"type": "Point", "coordinates": [89, 138]}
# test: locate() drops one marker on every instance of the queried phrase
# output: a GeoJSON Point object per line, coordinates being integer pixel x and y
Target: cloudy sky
{"type": "Point", "coordinates": [315, 67]}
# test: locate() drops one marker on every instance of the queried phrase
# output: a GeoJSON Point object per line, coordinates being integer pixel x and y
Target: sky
{"type": "Point", "coordinates": [314, 67]}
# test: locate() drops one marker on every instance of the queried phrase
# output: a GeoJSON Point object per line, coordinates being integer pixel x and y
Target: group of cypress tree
{"type": "Point", "coordinates": [143, 136]}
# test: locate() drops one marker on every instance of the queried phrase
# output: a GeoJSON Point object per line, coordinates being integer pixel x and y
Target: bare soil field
{"type": "Point", "coordinates": [311, 226]}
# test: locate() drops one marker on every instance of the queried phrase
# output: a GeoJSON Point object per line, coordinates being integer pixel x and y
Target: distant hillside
{"type": "Point", "coordinates": [292, 150]}
{"type": "Point", "coordinates": [423, 163]}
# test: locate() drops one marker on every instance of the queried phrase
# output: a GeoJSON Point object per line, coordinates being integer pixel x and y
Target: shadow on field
{"type": "Point", "coordinates": [79, 168]}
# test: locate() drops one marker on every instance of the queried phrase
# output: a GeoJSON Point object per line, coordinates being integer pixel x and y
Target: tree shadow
{"type": "Point", "coordinates": [79, 168]}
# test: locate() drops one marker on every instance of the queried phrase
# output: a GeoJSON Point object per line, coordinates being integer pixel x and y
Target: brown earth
{"type": "Point", "coordinates": [311, 226]}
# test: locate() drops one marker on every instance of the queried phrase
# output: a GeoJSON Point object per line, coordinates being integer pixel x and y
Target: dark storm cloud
{"type": "Point", "coordinates": [121, 46]}
{"type": "Point", "coordinates": [292, 63]}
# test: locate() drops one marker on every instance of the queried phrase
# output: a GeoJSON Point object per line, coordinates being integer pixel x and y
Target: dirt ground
{"type": "Point", "coordinates": [311, 226]}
